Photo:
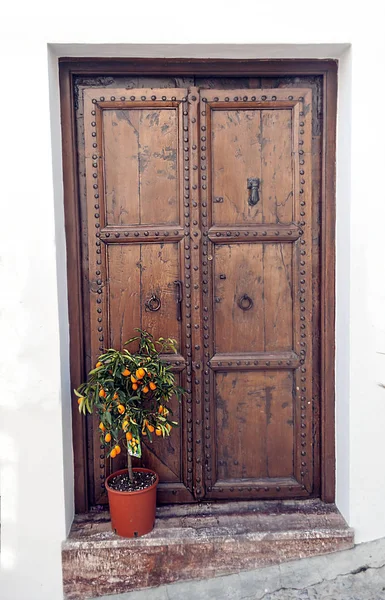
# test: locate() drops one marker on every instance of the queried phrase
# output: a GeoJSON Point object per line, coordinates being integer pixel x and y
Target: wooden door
{"type": "Point", "coordinates": [211, 188]}
{"type": "Point", "coordinates": [134, 164]}
{"type": "Point", "coordinates": [257, 260]}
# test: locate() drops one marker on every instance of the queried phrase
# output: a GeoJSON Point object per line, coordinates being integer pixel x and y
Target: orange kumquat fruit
{"type": "Point", "coordinates": [140, 373]}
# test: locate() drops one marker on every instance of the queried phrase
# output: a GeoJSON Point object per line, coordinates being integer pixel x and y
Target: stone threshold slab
{"type": "Point", "coordinates": [197, 542]}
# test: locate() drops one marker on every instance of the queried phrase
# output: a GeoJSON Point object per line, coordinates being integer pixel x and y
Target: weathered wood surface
{"type": "Point", "coordinates": [264, 272]}
{"type": "Point", "coordinates": [159, 220]}
{"type": "Point", "coordinates": [261, 434]}
{"type": "Point", "coordinates": [134, 195]}
{"type": "Point", "coordinates": [141, 166]}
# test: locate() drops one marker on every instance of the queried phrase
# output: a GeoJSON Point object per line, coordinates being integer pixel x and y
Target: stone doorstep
{"type": "Point", "coordinates": [197, 542]}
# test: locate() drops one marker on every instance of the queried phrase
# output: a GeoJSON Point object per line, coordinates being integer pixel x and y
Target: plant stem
{"type": "Point", "coordinates": [129, 466]}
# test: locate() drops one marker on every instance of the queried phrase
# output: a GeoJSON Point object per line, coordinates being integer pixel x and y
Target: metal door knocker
{"type": "Point", "coordinates": [245, 302]}
{"type": "Point", "coordinates": [253, 184]}
{"type": "Point", "coordinates": [153, 303]}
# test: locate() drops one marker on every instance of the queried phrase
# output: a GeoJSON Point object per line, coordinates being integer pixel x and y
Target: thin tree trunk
{"type": "Point", "coordinates": [129, 466]}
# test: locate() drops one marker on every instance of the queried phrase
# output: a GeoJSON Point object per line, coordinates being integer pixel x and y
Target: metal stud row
{"type": "Point", "coordinates": [303, 281]}
{"type": "Point", "coordinates": [252, 233]}
{"type": "Point", "coordinates": [196, 296]}
{"type": "Point", "coordinates": [140, 233]}
{"type": "Point", "coordinates": [262, 98]}
{"type": "Point", "coordinates": [205, 294]}
{"type": "Point", "coordinates": [98, 250]}
{"type": "Point", "coordinates": [187, 295]}
{"type": "Point", "coordinates": [135, 98]}
{"type": "Point", "coordinates": [271, 363]}
{"type": "Point", "coordinates": [95, 187]}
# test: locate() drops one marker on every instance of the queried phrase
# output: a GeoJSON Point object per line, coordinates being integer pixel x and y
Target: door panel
{"type": "Point", "coordinates": [259, 242]}
{"type": "Point", "coordinates": [136, 273]}
{"type": "Point", "coordinates": [252, 144]}
{"type": "Point", "coordinates": [134, 192]}
{"type": "Point", "coordinates": [257, 407]}
{"type": "Point", "coordinates": [141, 173]}
{"type": "Point", "coordinates": [212, 188]}
{"type": "Point", "coordinates": [260, 320]}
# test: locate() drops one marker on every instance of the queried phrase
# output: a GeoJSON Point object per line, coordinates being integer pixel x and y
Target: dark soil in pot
{"type": "Point", "coordinates": [142, 480]}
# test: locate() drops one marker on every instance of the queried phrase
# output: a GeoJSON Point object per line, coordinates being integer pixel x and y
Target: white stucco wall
{"type": "Point", "coordinates": [36, 476]}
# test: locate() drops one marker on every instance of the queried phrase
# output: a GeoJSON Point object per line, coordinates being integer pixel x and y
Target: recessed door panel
{"type": "Point", "coordinates": [253, 302]}
{"type": "Point", "coordinates": [252, 146]}
{"type": "Point", "coordinates": [254, 425]}
{"type": "Point", "coordinates": [142, 290]}
{"type": "Point", "coordinates": [140, 148]}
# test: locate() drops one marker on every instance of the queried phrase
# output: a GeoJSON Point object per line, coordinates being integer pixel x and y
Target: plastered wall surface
{"type": "Point", "coordinates": [36, 477]}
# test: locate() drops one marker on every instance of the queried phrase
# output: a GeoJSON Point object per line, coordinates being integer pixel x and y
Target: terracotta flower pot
{"type": "Point", "coordinates": [132, 513]}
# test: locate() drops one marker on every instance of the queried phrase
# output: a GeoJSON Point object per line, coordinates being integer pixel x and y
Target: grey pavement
{"type": "Point", "coordinates": [356, 574]}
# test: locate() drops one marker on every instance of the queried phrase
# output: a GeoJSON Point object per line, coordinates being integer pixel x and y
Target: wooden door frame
{"type": "Point", "coordinates": [327, 69]}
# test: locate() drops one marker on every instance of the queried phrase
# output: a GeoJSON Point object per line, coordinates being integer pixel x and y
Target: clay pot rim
{"type": "Point", "coordinates": [136, 469]}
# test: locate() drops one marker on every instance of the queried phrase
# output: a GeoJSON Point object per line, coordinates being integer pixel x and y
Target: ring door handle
{"type": "Point", "coordinates": [179, 299]}
{"type": "Point", "coordinates": [253, 184]}
{"type": "Point", "coordinates": [245, 302]}
{"type": "Point", "coordinates": [153, 304]}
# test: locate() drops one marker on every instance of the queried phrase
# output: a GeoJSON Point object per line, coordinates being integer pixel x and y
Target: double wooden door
{"type": "Point", "coordinates": [197, 224]}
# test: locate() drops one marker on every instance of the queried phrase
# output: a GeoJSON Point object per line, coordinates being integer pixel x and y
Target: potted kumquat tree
{"type": "Point", "coordinates": [131, 393]}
